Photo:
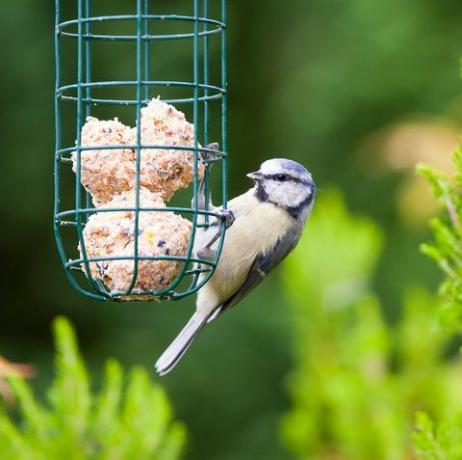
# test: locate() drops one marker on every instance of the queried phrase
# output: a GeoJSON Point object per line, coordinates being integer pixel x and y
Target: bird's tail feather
{"type": "Point", "coordinates": [181, 344]}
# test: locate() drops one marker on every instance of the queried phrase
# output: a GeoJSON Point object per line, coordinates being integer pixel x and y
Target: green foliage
{"type": "Point", "coordinates": [446, 247]}
{"type": "Point", "coordinates": [135, 423]}
{"type": "Point", "coordinates": [442, 440]}
{"type": "Point", "coordinates": [442, 443]}
{"type": "Point", "coordinates": [358, 380]}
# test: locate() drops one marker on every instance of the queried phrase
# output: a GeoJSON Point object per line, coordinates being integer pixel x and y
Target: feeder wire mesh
{"type": "Point", "coordinates": [195, 271]}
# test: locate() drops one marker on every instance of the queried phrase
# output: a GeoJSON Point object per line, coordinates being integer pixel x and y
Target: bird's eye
{"type": "Point", "coordinates": [281, 177]}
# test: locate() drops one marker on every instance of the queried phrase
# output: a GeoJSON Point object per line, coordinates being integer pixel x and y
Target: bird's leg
{"type": "Point", "coordinates": [201, 198]}
{"type": "Point", "coordinates": [225, 218]}
{"type": "Point", "coordinates": [205, 158]}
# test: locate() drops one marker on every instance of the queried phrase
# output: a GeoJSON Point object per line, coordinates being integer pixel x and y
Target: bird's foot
{"type": "Point", "coordinates": [207, 157]}
{"type": "Point", "coordinates": [227, 217]}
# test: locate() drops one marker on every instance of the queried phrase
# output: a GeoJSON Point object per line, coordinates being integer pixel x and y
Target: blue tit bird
{"type": "Point", "coordinates": [265, 224]}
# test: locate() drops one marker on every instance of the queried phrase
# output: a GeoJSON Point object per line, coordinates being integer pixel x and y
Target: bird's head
{"type": "Point", "coordinates": [285, 183]}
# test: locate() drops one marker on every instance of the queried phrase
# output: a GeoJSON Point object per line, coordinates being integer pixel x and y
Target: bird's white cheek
{"type": "Point", "coordinates": [287, 194]}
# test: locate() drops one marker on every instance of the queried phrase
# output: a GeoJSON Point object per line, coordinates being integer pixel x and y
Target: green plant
{"type": "Point", "coordinates": [441, 443]}
{"type": "Point", "coordinates": [358, 380]}
{"type": "Point", "coordinates": [440, 438]}
{"type": "Point", "coordinates": [446, 247]}
{"type": "Point", "coordinates": [117, 423]}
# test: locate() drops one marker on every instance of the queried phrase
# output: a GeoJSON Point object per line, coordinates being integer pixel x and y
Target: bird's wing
{"type": "Point", "coordinates": [261, 266]}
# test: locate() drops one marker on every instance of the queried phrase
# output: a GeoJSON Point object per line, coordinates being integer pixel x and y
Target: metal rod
{"type": "Point", "coordinates": [139, 86]}
{"type": "Point", "coordinates": [147, 49]}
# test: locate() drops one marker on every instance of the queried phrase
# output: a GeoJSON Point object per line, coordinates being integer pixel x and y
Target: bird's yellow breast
{"type": "Point", "coordinates": [255, 231]}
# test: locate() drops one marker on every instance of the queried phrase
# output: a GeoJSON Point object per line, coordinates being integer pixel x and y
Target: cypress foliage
{"type": "Point", "coordinates": [359, 380]}
{"type": "Point", "coordinates": [131, 420]}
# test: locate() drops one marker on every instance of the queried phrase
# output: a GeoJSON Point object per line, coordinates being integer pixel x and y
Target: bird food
{"type": "Point", "coordinates": [109, 171]}
{"type": "Point", "coordinates": [109, 176]}
{"type": "Point", "coordinates": [112, 234]}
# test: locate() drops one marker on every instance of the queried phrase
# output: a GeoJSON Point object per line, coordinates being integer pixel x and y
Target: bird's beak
{"type": "Point", "coordinates": [255, 176]}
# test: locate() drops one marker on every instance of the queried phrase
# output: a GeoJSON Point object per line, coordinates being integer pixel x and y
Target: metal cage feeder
{"type": "Point", "coordinates": [79, 94]}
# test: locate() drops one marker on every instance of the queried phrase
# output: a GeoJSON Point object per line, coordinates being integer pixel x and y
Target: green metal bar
{"type": "Point", "coordinates": [78, 268]}
{"type": "Point", "coordinates": [102, 84]}
{"type": "Point", "coordinates": [219, 154]}
{"type": "Point", "coordinates": [128, 102]}
{"type": "Point", "coordinates": [147, 48]}
{"type": "Point", "coordinates": [218, 26]}
{"type": "Point", "coordinates": [224, 105]}
{"type": "Point", "coordinates": [81, 260]}
{"type": "Point", "coordinates": [57, 176]}
{"type": "Point", "coordinates": [124, 17]}
{"type": "Point", "coordinates": [195, 204]}
{"type": "Point", "coordinates": [169, 209]}
{"type": "Point", "coordinates": [205, 51]}
{"type": "Point", "coordinates": [57, 199]}
{"type": "Point", "coordinates": [146, 37]}
{"type": "Point", "coordinates": [139, 64]}
{"type": "Point", "coordinates": [87, 59]}
{"type": "Point", "coordinates": [87, 79]}
{"type": "Point", "coordinates": [78, 187]}
{"type": "Point", "coordinates": [205, 141]}
{"type": "Point", "coordinates": [57, 107]}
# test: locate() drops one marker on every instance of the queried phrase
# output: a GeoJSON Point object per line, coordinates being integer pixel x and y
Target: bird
{"type": "Point", "coordinates": [263, 226]}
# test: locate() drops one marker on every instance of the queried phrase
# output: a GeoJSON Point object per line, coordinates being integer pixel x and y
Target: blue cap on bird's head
{"type": "Point", "coordinates": [277, 166]}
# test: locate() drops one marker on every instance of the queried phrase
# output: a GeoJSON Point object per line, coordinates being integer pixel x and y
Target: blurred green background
{"type": "Point", "coordinates": [358, 91]}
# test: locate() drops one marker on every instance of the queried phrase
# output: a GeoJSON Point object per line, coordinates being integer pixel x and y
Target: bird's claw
{"type": "Point", "coordinates": [207, 156]}
{"type": "Point", "coordinates": [227, 217]}
{"type": "Point", "coordinates": [213, 146]}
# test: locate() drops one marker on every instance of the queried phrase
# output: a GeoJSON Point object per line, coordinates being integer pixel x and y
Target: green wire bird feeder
{"type": "Point", "coordinates": [109, 66]}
